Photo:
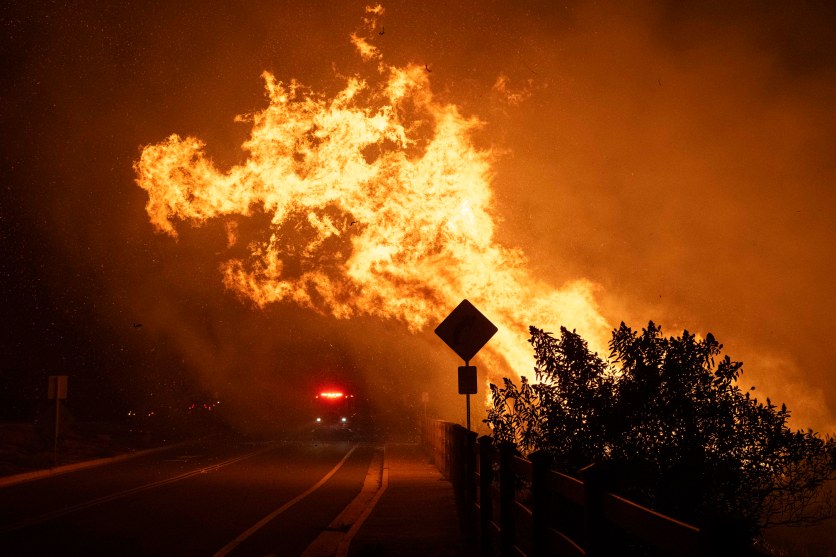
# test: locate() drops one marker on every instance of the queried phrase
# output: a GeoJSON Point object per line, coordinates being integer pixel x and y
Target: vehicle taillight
{"type": "Point", "coordinates": [331, 395]}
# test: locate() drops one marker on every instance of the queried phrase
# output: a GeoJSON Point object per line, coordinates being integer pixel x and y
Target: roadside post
{"type": "Point", "coordinates": [466, 331]}
{"type": "Point", "coordinates": [56, 389]}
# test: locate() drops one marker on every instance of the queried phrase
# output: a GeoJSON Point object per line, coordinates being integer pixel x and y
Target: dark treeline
{"type": "Point", "coordinates": [666, 417]}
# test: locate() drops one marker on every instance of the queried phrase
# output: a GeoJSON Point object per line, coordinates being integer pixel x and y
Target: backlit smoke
{"type": "Point", "coordinates": [375, 202]}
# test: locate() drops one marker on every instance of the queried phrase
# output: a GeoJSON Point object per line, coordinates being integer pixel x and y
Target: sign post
{"type": "Point", "coordinates": [57, 389]}
{"type": "Point", "coordinates": [466, 331]}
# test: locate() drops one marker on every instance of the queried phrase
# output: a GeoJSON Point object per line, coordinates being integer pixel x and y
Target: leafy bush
{"type": "Point", "coordinates": [668, 420]}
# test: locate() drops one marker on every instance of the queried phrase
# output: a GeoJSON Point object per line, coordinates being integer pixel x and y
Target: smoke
{"type": "Point", "coordinates": [686, 151]}
{"type": "Point", "coordinates": [379, 205]}
{"type": "Point", "coordinates": [675, 160]}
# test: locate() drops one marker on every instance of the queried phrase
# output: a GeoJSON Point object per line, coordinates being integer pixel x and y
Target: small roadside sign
{"type": "Point", "coordinates": [57, 388]}
{"type": "Point", "coordinates": [466, 330]}
{"type": "Point", "coordinates": [467, 380]}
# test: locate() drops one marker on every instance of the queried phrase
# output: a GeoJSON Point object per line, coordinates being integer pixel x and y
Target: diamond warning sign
{"type": "Point", "coordinates": [466, 330]}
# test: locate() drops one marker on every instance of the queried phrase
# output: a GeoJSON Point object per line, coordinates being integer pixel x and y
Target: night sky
{"type": "Point", "coordinates": [678, 157]}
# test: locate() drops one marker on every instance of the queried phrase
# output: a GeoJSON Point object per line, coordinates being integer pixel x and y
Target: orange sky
{"type": "Point", "coordinates": [678, 158]}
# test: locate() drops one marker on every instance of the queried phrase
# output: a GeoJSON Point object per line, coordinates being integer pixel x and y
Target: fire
{"type": "Point", "coordinates": [379, 203]}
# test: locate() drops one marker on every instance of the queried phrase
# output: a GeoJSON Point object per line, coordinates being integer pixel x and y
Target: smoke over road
{"type": "Point", "coordinates": [589, 164]}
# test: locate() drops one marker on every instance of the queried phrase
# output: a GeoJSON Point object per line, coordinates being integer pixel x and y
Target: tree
{"type": "Point", "coordinates": [667, 416]}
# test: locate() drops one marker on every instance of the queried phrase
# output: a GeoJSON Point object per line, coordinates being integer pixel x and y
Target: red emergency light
{"type": "Point", "coordinates": [331, 395]}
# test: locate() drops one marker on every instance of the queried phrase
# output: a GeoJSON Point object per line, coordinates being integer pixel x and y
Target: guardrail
{"type": "Point", "coordinates": [519, 507]}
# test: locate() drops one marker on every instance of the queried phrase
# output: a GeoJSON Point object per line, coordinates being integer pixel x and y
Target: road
{"type": "Point", "coordinates": [212, 498]}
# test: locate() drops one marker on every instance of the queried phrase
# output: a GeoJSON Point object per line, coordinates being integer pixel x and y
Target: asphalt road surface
{"type": "Point", "coordinates": [213, 498]}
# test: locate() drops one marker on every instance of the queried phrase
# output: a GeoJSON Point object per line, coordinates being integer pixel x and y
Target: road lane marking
{"type": "Point", "coordinates": [76, 466]}
{"type": "Point", "coordinates": [118, 495]}
{"type": "Point", "coordinates": [261, 523]}
{"type": "Point", "coordinates": [342, 550]}
{"type": "Point", "coordinates": [329, 541]}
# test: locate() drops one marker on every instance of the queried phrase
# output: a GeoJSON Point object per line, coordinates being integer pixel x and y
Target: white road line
{"type": "Point", "coordinates": [328, 541]}
{"type": "Point", "coordinates": [260, 524]}
{"type": "Point", "coordinates": [342, 550]}
{"type": "Point", "coordinates": [93, 502]}
{"type": "Point", "coordinates": [66, 468]}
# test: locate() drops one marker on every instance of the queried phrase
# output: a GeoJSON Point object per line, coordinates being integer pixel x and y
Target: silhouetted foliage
{"type": "Point", "coordinates": [667, 419]}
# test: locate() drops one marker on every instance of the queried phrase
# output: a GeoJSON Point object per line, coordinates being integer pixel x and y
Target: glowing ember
{"type": "Point", "coordinates": [379, 204]}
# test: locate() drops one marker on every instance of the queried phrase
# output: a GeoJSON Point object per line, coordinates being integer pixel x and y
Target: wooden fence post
{"type": "Point", "coordinates": [470, 482]}
{"type": "Point", "coordinates": [458, 471]}
{"type": "Point", "coordinates": [507, 492]}
{"type": "Point", "coordinates": [540, 502]}
{"type": "Point", "coordinates": [485, 498]}
{"type": "Point", "coordinates": [593, 522]}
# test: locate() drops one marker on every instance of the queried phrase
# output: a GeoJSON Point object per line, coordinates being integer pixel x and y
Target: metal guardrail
{"type": "Point", "coordinates": [519, 507]}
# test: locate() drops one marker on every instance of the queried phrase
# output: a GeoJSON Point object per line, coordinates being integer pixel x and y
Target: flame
{"type": "Point", "coordinates": [379, 204]}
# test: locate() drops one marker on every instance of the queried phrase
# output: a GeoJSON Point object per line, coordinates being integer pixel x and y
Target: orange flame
{"type": "Point", "coordinates": [379, 203]}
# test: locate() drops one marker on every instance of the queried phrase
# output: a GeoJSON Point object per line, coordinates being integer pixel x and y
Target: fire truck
{"type": "Point", "coordinates": [333, 411]}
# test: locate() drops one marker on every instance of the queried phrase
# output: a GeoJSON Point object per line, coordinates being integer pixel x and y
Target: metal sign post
{"type": "Point", "coordinates": [56, 389]}
{"type": "Point", "coordinates": [466, 331]}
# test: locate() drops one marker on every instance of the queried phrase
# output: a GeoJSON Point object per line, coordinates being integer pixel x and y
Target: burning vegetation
{"type": "Point", "coordinates": [379, 204]}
